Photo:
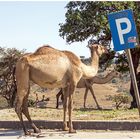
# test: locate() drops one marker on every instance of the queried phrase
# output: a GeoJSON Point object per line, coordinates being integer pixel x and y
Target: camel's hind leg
{"type": "Point", "coordinates": [18, 109]}
{"type": "Point", "coordinates": [70, 103]}
{"type": "Point", "coordinates": [65, 104]}
{"type": "Point", "coordinates": [26, 113]}
{"type": "Point", "coordinates": [22, 81]}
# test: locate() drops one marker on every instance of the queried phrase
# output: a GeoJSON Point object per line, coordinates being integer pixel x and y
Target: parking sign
{"type": "Point", "coordinates": [124, 37]}
{"type": "Point", "coordinates": [123, 30]}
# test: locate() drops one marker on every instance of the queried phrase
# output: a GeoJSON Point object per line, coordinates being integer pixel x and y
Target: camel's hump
{"type": "Point", "coordinates": [72, 57]}
{"type": "Point", "coordinates": [44, 49]}
{"type": "Point", "coordinates": [48, 50]}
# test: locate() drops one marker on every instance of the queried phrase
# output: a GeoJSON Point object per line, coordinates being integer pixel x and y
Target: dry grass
{"type": "Point", "coordinates": [78, 114]}
{"type": "Point", "coordinates": [101, 93]}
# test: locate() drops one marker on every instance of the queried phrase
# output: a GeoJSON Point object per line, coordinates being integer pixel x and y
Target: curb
{"type": "Point", "coordinates": [78, 124]}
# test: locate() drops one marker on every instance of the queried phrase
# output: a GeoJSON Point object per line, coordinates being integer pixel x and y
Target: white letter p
{"type": "Point", "coordinates": [121, 31]}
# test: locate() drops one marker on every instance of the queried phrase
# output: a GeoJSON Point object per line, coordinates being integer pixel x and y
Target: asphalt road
{"type": "Point", "coordinates": [57, 134]}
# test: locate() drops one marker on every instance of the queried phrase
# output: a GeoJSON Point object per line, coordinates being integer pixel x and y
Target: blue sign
{"type": "Point", "coordinates": [123, 30]}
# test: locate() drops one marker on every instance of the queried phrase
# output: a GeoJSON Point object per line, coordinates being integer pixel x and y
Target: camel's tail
{"type": "Point", "coordinates": [14, 86]}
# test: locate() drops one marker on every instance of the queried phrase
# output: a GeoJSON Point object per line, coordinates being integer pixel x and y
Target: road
{"type": "Point", "coordinates": [53, 134]}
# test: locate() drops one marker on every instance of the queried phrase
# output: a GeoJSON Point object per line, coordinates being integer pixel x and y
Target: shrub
{"type": "Point", "coordinates": [120, 99]}
{"type": "Point", "coordinates": [31, 103]}
{"type": "Point", "coordinates": [8, 59]}
{"type": "Point", "coordinates": [114, 81]}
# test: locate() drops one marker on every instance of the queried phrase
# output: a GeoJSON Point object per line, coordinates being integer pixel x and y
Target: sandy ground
{"type": "Point", "coordinates": [101, 92]}
{"type": "Point", "coordinates": [51, 113]}
{"type": "Point", "coordinates": [57, 134]}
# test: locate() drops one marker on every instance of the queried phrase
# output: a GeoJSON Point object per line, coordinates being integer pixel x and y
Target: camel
{"type": "Point", "coordinates": [52, 68]}
{"type": "Point", "coordinates": [41, 103]}
{"type": "Point", "coordinates": [87, 83]}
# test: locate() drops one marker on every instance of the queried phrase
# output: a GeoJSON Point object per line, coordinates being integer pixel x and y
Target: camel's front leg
{"type": "Point", "coordinates": [57, 97]}
{"type": "Point", "coordinates": [85, 97]}
{"type": "Point", "coordinates": [72, 89]}
{"type": "Point", "coordinates": [92, 92]}
{"type": "Point", "coordinates": [65, 92]}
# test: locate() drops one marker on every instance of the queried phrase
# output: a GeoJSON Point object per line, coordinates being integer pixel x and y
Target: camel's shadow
{"type": "Point", "coordinates": [10, 132]}
{"type": "Point", "coordinates": [91, 109]}
{"type": "Point", "coordinates": [19, 134]}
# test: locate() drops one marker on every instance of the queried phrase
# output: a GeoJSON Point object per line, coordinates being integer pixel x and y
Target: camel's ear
{"type": "Point", "coordinates": [95, 46]}
{"type": "Point", "coordinates": [115, 68]}
{"type": "Point", "coordinates": [89, 46]}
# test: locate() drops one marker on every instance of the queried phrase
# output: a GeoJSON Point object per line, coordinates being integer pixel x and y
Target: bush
{"type": "Point", "coordinates": [120, 99]}
{"type": "Point", "coordinates": [114, 81]}
{"type": "Point", "coordinates": [31, 103]}
{"type": "Point", "coordinates": [8, 59]}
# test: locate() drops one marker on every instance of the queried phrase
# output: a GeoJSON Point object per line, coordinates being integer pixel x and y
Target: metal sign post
{"type": "Point", "coordinates": [134, 81]}
{"type": "Point", "coordinates": [125, 36]}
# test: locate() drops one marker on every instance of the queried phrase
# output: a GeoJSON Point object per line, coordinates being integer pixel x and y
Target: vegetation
{"type": "Point", "coordinates": [120, 99]}
{"type": "Point", "coordinates": [8, 59]}
{"type": "Point", "coordinates": [79, 114]}
{"type": "Point", "coordinates": [31, 103]}
{"type": "Point", "coordinates": [87, 20]}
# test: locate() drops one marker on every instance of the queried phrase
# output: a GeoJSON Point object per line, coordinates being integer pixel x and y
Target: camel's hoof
{"type": "Point", "coordinates": [65, 129]}
{"type": "Point", "coordinates": [37, 130]}
{"type": "Point", "coordinates": [28, 133]}
{"type": "Point", "coordinates": [72, 131]}
{"type": "Point", "coordinates": [99, 108]}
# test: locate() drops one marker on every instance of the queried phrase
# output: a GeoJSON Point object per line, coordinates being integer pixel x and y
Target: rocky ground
{"type": "Point", "coordinates": [57, 134]}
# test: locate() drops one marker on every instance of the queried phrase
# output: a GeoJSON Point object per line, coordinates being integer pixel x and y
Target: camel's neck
{"type": "Point", "coordinates": [91, 71]}
{"type": "Point", "coordinates": [103, 80]}
{"type": "Point", "coordinates": [95, 60]}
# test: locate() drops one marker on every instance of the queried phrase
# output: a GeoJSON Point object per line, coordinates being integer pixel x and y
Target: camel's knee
{"type": "Point", "coordinates": [62, 98]}
{"type": "Point", "coordinates": [70, 104]}
{"type": "Point", "coordinates": [18, 105]}
{"type": "Point", "coordinates": [57, 95]}
{"type": "Point", "coordinates": [18, 110]}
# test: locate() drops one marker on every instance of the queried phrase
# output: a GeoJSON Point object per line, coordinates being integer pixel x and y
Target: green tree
{"type": "Point", "coordinates": [8, 59]}
{"type": "Point", "coordinates": [87, 20]}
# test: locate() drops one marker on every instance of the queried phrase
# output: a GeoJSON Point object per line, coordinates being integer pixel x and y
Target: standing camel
{"type": "Point", "coordinates": [52, 68]}
{"type": "Point", "coordinates": [87, 83]}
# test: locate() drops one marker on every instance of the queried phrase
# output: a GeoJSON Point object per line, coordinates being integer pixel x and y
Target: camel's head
{"type": "Point", "coordinates": [98, 48]}
{"type": "Point", "coordinates": [116, 74]}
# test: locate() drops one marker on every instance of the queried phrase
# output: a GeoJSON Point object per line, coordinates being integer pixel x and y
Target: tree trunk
{"type": "Point", "coordinates": [135, 58]}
